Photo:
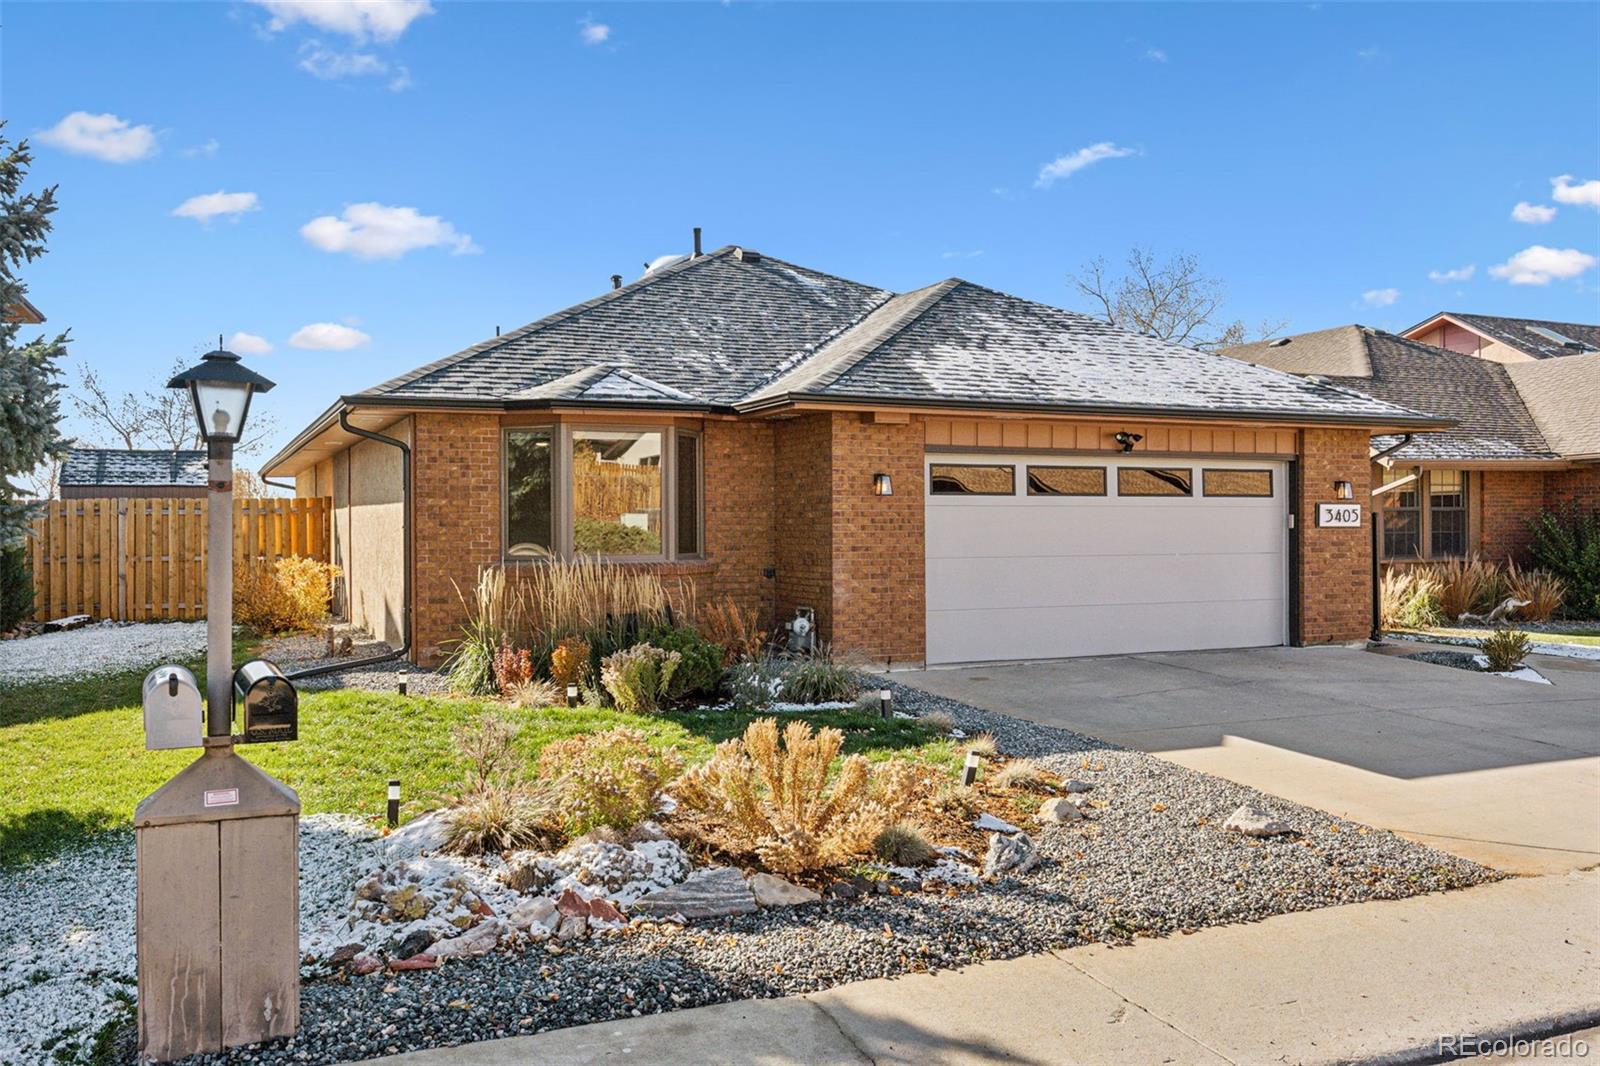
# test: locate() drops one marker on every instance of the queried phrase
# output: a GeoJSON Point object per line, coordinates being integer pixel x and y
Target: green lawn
{"type": "Point", "coordinates": [1585, 637]}
{"type": "Point", "coordinates": [74, 762]}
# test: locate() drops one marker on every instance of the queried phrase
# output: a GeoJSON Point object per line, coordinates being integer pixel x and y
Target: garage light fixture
{"type": "Point", "coordinates": [1126, 439]}
{"type": "Point", "coordinates": [1343, 490]}
{"type": "Point", "coordinates": [882, 485]}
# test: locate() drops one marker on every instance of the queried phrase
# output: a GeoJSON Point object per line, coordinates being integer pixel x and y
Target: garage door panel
{"type": "Point", "coordinates": [1060, 632]}
{"type": "Point", "coordinates": [1057, 529]}
{"type": "Point", "coordinates": [1094, 580]}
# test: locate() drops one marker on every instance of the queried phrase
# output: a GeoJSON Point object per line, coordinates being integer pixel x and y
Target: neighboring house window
{"type": "Point", "coordinates": [1427, 516]}
{"type": "Point", "coordinates": [618, 492]}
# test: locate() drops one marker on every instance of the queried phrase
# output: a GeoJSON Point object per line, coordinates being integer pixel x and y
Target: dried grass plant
{"type": "Point", "coordinates": [1543, 590]}
{"type": "Point", "coordinates": [1464, 584]}
{"type": "Point", "coordinates": [1025, 775]}
{"type": "Point", "coordinates": [724, 623]}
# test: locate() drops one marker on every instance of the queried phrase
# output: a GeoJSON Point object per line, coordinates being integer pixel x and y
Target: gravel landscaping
{"type": "Point", "coordinates": [104, 647]}
{"type": "Point", "coordinates": [303, 650]}
{"type": "Point", "coordinates": [1152, 858]}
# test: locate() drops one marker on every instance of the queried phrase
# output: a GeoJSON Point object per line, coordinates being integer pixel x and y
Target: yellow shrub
{"type": "Point", "coordinates": [290, 596]}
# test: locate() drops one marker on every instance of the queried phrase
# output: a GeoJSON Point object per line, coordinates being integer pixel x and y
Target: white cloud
{"type": "Point", "coordinates": [1369, 53]}
{"type": "Point", "coordinates": [1380, 297]}
{"type": "Point", "coordinates": [207, 150]}
{"type": "Point", "coordinates": [1532, 214]}
{"type": "Point", "coordinates": [376, 231]}
{"type": "Point", "coordinates": [327, 337]}
{"type": "Point", "coordinates": [961, 255]}
{"type": "Point", "coordinates": [329, 64]}
{"type": "Point", "coordinates": [379, 20]}
{"type": "Point", "coordinates": [1156, 55]}
{"type": "Point", "coordinates": [209, 205]}
{"type": "Point", "coordinates": [242, 343]}
{"type": "Point", "coordinates": [1586, 193]}
{"type": "Point", "coordinates": [1538, 265]}
{"type": "Point", "coordinates": [592, 32]}
{"type": "Point", "coordinates": [1067, 165]}
{"type": "Point", "coordinates": [1458, 274]}
{"type": "Point", "coordinates": [107, 137]}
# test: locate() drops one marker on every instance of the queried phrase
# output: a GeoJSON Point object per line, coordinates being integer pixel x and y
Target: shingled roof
{"type": "Point", "coordinates": [734, 330]}
{"type": "Point", "coordinates": [1563, 395]}
{"type": "Point", "coordinates": [122, 466]}
{"type": "Point", "coordinates": [1530, 336]}
{"type": "Point", "coordinates": [1492, 420]}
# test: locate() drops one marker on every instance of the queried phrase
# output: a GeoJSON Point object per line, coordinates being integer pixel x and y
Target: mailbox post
{"type": "Point", "coordinates": [218, 866]}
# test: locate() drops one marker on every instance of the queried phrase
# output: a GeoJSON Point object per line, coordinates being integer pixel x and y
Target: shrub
{"type": "Point", "coordinates": [638, 678]}
{"type": "Point", "coordinates": [16, 587]}
{"type": "Point", "coordinates": [596, 536]}
{"type": "Point", "coordinates": [755, 683]}
{"type": "Point", "coordinates": [611, 779]}
{"type": "Point", "coordinates": [491, 616]}
{"type": "Point", "coordinates": [489, 750]}
{"type": "Point", "coordinates": [903, 844]}
{"type": "Point", "coordinates": [1505, 649]}
{"type": "Point", "coordinates": [819, 678]}
{"type": "Point", "coordinates": [496, 820]}
{"type": "Point", "coordinates": [1023, 774]}
{"type": "Point", "coordinates": [779, 800]}
{"type": "Point", "coordinates": [1542, 590]}
{"type": "Point", "coordinates": [983, 744]}
{"type": "Point", "coordinates": [1567, 544]}
{"type": "Point", "coordinates": [537, 692]}
{"type": "Point", "coordinates": [606, 604]}
{"type": "Point", "coordinates": [1409, 599]}
{"type": "Point", "coordinates": [1464, 585]}
{"type": "Point", "coordinates": [733, 629]}
{"type": "Point", "coordinates": [289, 596]}
{"type": "Point", "coordinates": [700, 672]}
{"type": "Point", "coordinates": [940, 722]}
{"type": "Point", "coordinates": [569, 662]}
{"type": "Point", "coordinates": [513, 667]}
{"type": "Point", "coordinates": [952, 797]}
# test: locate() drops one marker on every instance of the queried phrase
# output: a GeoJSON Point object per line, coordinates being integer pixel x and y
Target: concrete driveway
{"type": "Point", "coordinates": [1504, 772]}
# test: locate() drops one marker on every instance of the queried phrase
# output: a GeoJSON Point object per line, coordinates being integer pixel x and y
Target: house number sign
{"type": "Point", "coordinates": [1339, 515]}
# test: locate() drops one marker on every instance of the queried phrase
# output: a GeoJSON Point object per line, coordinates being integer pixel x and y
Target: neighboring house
{"type": "Point", "coordinates": [94, 472]}
{"type": "Point", "coordinates": [1526, 439]}
{"type": "Point", "coordinates": [24, 313]}
{"type": "Point", "coordinates": [1505, 340]}
{"type": "Point", "coordinates": [945, 475]}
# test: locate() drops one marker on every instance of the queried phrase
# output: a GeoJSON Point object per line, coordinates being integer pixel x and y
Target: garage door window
{"type": "Point", "coordinates": [1238, 482]}
{"type": "Point", "coordinates": [969, 479]}
{"type": "Point", "coordinates": [1066, 481]}
{"type": "Point", "coordinates": [1152, 481]}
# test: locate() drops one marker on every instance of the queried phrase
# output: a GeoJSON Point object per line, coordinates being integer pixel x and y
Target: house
{"type": "Point", "coordinates": [132, 472]}
{"type": "Point", "coordinates": [23, 313]}
{"type": "Point", "coordinates": [945, 475]}
{"type": "Point", "coordinates": [1526, 439]}
{"type": "Point", "coordinates": [1505, 340]}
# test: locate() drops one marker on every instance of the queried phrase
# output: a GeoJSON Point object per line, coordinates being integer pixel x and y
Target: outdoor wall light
{"type": "Point", "coordinates": [1343, 490]}
{"type": "Point", "coordinates": [220, 388]}
{"type": "Point", "coordinates": [882, 485]}
{"type": "Point", "coordinates": [1126, 439]}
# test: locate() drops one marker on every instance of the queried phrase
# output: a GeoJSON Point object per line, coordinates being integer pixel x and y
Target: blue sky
{"type": "Point", "coordinates": [1323, 159]}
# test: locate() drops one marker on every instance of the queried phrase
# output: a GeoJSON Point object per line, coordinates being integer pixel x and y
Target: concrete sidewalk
{"type": "Point", "coordinates": [1375, 982]}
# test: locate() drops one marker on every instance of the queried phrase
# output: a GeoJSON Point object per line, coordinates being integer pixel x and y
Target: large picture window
{"type": "Point", "coordinates": [623, 492]}
{"type": "Point", "coordinates": [1425, 515]}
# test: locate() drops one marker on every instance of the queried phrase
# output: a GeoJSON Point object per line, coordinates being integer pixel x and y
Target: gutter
{"type": "Point", "coordinates": [405, 576]}
{"type": "Point", "coordinates": [1378, 456]}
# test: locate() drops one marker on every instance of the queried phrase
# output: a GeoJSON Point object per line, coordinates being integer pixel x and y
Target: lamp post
{"type": "Point", "coordinates": [220, 388]}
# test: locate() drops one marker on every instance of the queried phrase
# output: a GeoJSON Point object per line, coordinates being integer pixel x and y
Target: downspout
{"type": "Point", "coordinates": [1377, 568]}
{"type": "Point", "coordinates": [405, 577]}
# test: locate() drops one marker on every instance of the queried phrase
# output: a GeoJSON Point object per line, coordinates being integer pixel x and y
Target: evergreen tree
{"type": "Point", "coordinates": [29, 406]}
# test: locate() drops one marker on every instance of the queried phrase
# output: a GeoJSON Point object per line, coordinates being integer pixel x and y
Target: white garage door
{"type": "Point", "coordinates": [1032, 557]}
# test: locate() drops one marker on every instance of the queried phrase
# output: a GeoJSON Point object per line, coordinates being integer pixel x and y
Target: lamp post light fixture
{"type": "Point", "coordinates": [969, 769]}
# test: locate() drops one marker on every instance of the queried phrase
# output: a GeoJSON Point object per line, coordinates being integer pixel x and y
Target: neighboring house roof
{"type": "Point", "coordinates": [1533, 337]}
{"type": "Point", "coordinates": [737, 330]}
{"type": "Point", "coordinates": [121, 466]}
{"type": "Point", "coordinates": [1493, 422]}
{"type": "Point", "coordinates": [24, 312]}
{"type": "Point", "coordinates": [1563, 395]}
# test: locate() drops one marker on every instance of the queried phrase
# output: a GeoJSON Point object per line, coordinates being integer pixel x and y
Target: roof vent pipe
{"type": "Point", "coordinates": [616, 281]}
{"type": "Point", "coordinates": [697, 242]}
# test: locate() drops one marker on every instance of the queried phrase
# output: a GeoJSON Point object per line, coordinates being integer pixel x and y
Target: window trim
{"type": "Point", "coordinates": [505, 493]}
{"type": "Point", "coordinates": [699, 438]}
{"type": "Point", "coordinates": [993, 466]}
{"type": "Point", "coordinates": [1424, 489]}
{"type": "Point", "coordinates": [1027, 481]}
{"type": "Point", "coordinates": [1272, 487]}
{"type": "Point", "coordinates": [1154, 495]}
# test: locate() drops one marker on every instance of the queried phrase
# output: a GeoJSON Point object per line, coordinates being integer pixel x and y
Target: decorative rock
{"type": "Point", "coordinates": [345, 953]}
{"type": "Point", "coordinates": [537, 915]}
{"type": "Point", "coordinates": [991, 823]}
{"type": "Point", "coordinates": [843, 890]}
{"type": "Point", "coordinates": [1013, 855]}
{"type": "Point", "coordinates": [713, 893]}
{"type": "Point", "coordinates": [479, 940]}
{"type": "Point", "coordinates": [603, 910]}
{"type": "Point", "coordinates": [1074, 785]}
{"type": "Point", "coordinates": [1079, 800]}
{"type": "Point", "coordinates": [362, 965]}
{"type": "Point", "coordinates": [413, 943]}
{"type": "Point", "coordinates": [415, 962]}
{"type": "Point", "coordinates": [1255, 822]}
{"type": "Point", "coordinates": [572, 926]}
{"type": "Point", "coordinates": [572, 905]}
{"type": "Point", "coordinates": [1056, 811]}
{"type": "Point", "coordinates": [771, 891]}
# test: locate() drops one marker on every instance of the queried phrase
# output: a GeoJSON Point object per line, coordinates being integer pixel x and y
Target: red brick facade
{"type": "Point", "coordinates": [793, 498]}
{"type": "Point", "coordinates": [1509, 498]}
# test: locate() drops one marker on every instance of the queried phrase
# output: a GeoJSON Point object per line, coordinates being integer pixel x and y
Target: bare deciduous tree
{"type": "Point", "coordinates": [1175, 300]}
{"type": "Point", "coordinates": [155, 418]}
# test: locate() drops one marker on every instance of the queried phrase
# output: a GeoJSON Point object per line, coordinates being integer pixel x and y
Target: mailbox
{"type": "Point", "coordinates": [271, 705]}
{"type": "Point", "coordinates": [172, 714]}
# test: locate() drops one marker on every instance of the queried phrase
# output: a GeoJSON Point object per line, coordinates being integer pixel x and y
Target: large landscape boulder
{"type": "Point", "coordinates": [1010, 855]}
{"type": "Point", "coordinates": [772, 891]}
{"type": "Point", "coordinates": [712, 893]}
{"type": "Point", "coordinates": [1255, 822]}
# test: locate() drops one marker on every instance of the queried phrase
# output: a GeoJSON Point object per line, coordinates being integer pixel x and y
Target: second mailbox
{"type": "Point", "coordinates": [271, 704]}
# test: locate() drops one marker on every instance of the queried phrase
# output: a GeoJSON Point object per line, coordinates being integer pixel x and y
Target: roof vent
{"type": "Point", "coordinates": [747, 255]}
{"type": "Point", "coordinates": [697, 252]}
{"type": "Point", "coordinates": [616, 281]}
{"type": "Point", "coordinates": [1280, 342]}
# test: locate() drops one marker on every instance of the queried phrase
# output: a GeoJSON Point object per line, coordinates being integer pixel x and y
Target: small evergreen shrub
{"type": "Point", "coordinates": [610, 779]}
{"type": "Point", "coordinates": [756, 683]}
{"type": "Point", "coordinates": [639, 678]}
{"type": "Point", "coordinates": [1567, 544]}
{"type": "Point", "coordinates": [1505, 649]}
{"type": "Point", "coordinates": [594, 536]}
{"type": "Point", "coordinates": [700, 672]}
{"type": "Point", "coordinates": [16, 587]}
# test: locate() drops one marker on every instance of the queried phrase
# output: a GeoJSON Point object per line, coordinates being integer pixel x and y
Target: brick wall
{"type": "Point", "coordinates": [1508, 499]}
{"type": "Point", "coordinates": [878, 553]}
{"type": "Point", "coordinates": [455, 469]}
{"type": "Point", "coordinates": [1577, 487]}
{"type": "Point", "coordinates": [738, 514]}
{"type": "Point", "coordinates": [1335, 564]}
{"type": "Point", "coordinates": [802, 513]}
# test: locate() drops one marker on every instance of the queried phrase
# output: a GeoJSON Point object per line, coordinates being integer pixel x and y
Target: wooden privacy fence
{"type": "Point", "coordinates": [139, 559]}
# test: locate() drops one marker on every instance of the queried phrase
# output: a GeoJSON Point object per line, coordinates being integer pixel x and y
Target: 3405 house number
{"type": "Point", "coordinates": [1338, 515]}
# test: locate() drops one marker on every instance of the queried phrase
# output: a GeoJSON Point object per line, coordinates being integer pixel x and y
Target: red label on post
{"type": "Point", "coordinates": [222, 797]}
